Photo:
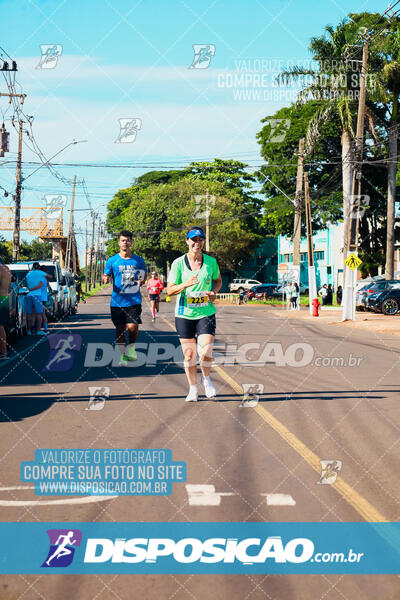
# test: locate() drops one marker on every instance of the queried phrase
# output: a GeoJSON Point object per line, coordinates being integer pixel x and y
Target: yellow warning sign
{"type": "Point", "coordinates": [353, 262]}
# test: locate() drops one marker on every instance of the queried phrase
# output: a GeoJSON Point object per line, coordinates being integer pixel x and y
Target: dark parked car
{"type": "Point", "coordinates": [386, 301]}
{"type": "Point", "coordinates": [374, 287]}
{"type": "Point", "coordinates": [258, 292]}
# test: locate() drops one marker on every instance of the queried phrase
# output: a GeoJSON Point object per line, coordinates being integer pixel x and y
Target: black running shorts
{"type": "Point", "coordinates": [189, 328]}
{"type": "Point", "coordinates": [155, 297]}
{"type": "Point", "coordinates": [121, 315]}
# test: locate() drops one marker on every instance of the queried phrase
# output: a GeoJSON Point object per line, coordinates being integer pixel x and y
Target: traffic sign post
{"type": "Point", "coordinates": [352, 263]}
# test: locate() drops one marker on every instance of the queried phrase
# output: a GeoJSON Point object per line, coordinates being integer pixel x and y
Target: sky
{"type": "Point", "coordinates": [141, 62]}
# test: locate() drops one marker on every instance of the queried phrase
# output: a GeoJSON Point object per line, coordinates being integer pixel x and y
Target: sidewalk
{"type": "Point", "coordinates": [368, 321]}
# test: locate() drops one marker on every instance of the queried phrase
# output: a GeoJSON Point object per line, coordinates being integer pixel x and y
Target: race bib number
{"type": "Point", "coordinates": [197, 298]}
{"type": "Point", "coordinates": [154, 290]}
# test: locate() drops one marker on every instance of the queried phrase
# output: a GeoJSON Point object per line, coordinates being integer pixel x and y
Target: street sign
{"type": "Point", "coordinates": [353, 262]}
{"type": "Point", "coordinates": [282, 267]}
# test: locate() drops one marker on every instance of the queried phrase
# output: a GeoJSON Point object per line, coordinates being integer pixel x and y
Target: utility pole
{"type": "Point", "coordinates": [103, 254]}
{"type": "Point", "coordinates": [86, 263]}
{"type": "Point", "coordinates": [391, 190]}
{"type": "Point", "coordinates": [73, 253]}
{"type": "Point", "coordinates": [207, 224]}
{"type": "Point", "coordinates": [100, 252]}
{"type": "Point", "coordinates": [297, 207]}
{"type": "Point", "coordinates": [312, 285]}
{"type": "Point", "coordinates": [96, 255]}
{"type": "Point", "coordinates": [92, 251]}
{"type": "Point", "coordinates": [350, 276]}
{"type": "Point", "coordinates": [17, 214]}
{"type": "Point", "coordinates": [70, 228]}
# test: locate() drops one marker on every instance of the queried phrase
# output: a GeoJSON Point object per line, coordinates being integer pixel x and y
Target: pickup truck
{"type": "Point", "coordinates": [241, 285]}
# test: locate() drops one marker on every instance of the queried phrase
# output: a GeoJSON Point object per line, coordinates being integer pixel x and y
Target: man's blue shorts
{"type": "Point", "coordinates": [34, 304]}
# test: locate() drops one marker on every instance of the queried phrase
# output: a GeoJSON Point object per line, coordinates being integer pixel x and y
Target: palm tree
{"type": "Point", "coordinates": [333, 84]}
{"type": "Point", "coordinates": [390, 78]}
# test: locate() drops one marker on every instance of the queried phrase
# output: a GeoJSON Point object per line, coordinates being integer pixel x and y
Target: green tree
{"type": "Point", "coordinates": [155, 177]}
{"type": "Point", "coordinates": [165, 201]}
{"type": "Point", "coordinates": [279, 173]}
{"type": "Point", "coordinates": [335, 84]}
{"type": "Point", "coordinates": [387, 46]}
{"type": "Point", "coordinates": [161, 214]}
{"type": "Point", "coordinates": [36, 250]}
{"type": "Point", "coordinates": [123, 198]}
{"type": "Point", "coordinates": [115, 211]}
{"type": "Point", "coordinates": [5, 250]}
{"type": "Point", "coordinates": [234, 175]}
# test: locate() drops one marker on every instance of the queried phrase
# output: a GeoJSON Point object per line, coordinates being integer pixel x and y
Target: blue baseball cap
{"type": "Point", "coordinates": [195, 232]}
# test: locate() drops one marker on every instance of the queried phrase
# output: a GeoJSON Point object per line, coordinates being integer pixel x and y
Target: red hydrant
{"type": "Point", "coordinates": [316, 304]}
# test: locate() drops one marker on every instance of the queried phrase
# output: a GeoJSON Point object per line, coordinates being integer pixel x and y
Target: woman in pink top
{"type": "Point", "coordinates": [154, 286]}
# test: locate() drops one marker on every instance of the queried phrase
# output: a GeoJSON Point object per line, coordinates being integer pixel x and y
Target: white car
{"type": "Point", "coordinates": [69, 291]}
{"type": "Point", "coordinates": [242, 285]}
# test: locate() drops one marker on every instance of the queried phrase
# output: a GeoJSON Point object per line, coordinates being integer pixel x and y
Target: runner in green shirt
{"type": "Point", "coordinates": [195, 279]}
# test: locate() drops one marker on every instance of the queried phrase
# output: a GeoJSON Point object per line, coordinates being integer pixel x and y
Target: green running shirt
{"type": "Point", "coordinates": [191, 303]}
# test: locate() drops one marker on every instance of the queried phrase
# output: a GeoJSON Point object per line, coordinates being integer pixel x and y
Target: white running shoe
{"type": "Point", "coordinates": [209, 388]}
{"type": "Point", "coordinates": [193, 395]}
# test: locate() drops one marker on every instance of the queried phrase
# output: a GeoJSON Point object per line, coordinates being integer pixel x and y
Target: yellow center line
{"type": "Point", "coordinates": [358, 502]}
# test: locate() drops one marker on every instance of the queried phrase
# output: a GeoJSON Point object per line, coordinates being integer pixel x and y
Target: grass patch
{"type": "Point", "coordinates": [94, 290]}
{"type": "Point", "coordinates": [278, 302]}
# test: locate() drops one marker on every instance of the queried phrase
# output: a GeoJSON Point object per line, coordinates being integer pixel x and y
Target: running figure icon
{"type": "Point", "coordinates": [63, 352]}
{"type": "Point", "coordinates": [62, 549]}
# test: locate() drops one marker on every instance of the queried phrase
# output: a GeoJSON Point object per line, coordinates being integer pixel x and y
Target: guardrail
{"type": "Point", "coordinates": [232, 298]}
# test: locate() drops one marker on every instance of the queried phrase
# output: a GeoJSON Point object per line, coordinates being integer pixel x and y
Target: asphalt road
{"type": "Point", "coordinates": [263, 459]}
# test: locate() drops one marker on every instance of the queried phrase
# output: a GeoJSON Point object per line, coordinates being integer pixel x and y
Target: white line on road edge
{"type": "Point", "coordinates": [280, 500]}
{"type": "Point", "coordinates": [205, 495]}
{"type": "Point", "coordinates": [84, 500]}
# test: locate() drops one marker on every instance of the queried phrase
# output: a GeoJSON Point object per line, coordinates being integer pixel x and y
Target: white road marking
{"type": "Point", "coordinates": [204, 495]}
{"type": "Point", "coordinates": [280, 500]}
{"type": "Point", "coordinates": [83, 500]}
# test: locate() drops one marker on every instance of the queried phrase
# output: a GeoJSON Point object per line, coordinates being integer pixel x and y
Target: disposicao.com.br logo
{"type": "Point", "coordinates": [247, 551]}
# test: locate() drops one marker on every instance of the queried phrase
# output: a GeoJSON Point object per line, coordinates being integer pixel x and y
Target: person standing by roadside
{"type": "Point", "coordinates": [294, 294]}
{"type": "Point", "coordinates": [34, 304]}
{"type": "Point", "coordinates": [323, 292]}
{"type": "Point", "coordinates": [79, 291]}
{"type": "Point", "coordinates": [287, 290]}
{"type": "Point", "coordinates": [128, 273]}
{"type": "Point", "coordinates": [329, 296]}
{"type": "Point", "coordinates": [154, 287]}
{"type": "Point", "coordinates": [5, 280]}
{"type": "Point", "coordinates": [339, 295]}
{"type": "Point", "coordinates": [195, 278]}
{"type": "Point", "coordinates": [45, 280]}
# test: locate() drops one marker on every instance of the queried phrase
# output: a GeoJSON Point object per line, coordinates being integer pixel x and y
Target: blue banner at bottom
{"type": "Point", "coordinates": [200, 548]}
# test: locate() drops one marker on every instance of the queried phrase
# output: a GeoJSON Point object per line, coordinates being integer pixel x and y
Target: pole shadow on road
{"type": "Point", "coordinates": [316, 395]}
{"type": "Point", "coordinates": [17, 407]}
